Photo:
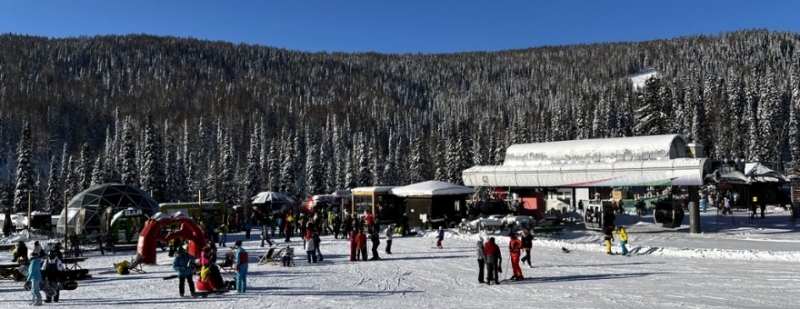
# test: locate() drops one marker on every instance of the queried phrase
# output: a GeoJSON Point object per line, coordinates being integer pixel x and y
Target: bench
{"type": "Point", "coordinates": [9, 271]}
{"type": "Point", "coordinates": [7, 247]}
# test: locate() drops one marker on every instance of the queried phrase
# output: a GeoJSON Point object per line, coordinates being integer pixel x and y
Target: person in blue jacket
{"type": "Point", "coordinates": [183, 265]}
{"type": "Point", "coordinates": [439, 237]}
{"type": "Point", "coordinates": [240, 265]}
{"type": "Point", "coordinates": [35, 278]}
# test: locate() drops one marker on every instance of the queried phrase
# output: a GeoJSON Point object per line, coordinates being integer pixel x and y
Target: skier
{"type": "Point", "coordinates": [493, 259]}
{"type": "Point", "coordinates": [35, 278]}
{"type": "Point", "coordinates": [514, 246]}
{"type": "Point", "coordinates": [182, 265]}
{"type": "Point", "coordinates": [608, 237]}
{"type": "Point", "coordinates": [527, 244]}
{"type": "Point", "coordinates": [376, 241]}
{"type": "Point", "coordinates": [623, 240]}
{"type": "Point", "coordinates": [439, 237]}
{"type": "Point", "coordinates": [389, 233]}
{"type": "Point", "coordinates": [240, 265]}
{"type": "Point", "coordinates": [51, 270]}
{"type": "Point", "coordinates": [481, 258]}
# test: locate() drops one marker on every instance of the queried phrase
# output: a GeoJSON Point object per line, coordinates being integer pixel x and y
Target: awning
{"type": "Point", "coordinates": [431, 188]}
{"type": "Point", "coordinates": [673, 172]}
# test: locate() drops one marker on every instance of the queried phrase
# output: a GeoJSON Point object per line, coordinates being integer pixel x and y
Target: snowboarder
{"type": "Point", "coordinates": [608, 237]}
{"type": "Point", "coordinates": [493, 259]}
{"type": "Point", "coordinates": [376, 241]}
{"type": "Point", "coordinates": [514, 247]}
{"type": "Point", "coordinates": [527, 244]}
{"type": "Point", "coordinates": [389, 234]}
{"type": "Point", "coordinates": [35, 277]}
{"type": "Point", "coordinates": [481, 258]}
{"type": "Point", "coordinates": [439, 237]}
{"type": "Point", "coordinates": [182, 265]}
{"type": "Point", "coordinates": [51, 270]}
{"type": "Point", "coordinates": [240, 265]}
{"type": "Point", "coordinates": [623, 239]}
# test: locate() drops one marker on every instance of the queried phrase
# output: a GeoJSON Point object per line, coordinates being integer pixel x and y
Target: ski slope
{"type": "Point", "coordinates": [737, 266]}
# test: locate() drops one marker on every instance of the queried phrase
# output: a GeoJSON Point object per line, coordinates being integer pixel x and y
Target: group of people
{"type": "Point", "coordinates": [41, 272]}
{"type": "Point", "coordinates": [210, 278]}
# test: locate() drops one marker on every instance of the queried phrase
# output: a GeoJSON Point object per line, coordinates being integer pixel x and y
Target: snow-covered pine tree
{"type": "Point", "coordinates": [769, 118]}
{"type": "Point", "coordinates": [698, 119]}
{"type": "Point", "coordinates": [211, 190]}
{"type": "Point", "coordinates": [98, 173]}
{"type": "Point", "coordinates": [351, 170]}
{"type": "Point", "coordinates": [363, 151]}
{"type": "Point", "coordinates": [289, 168]}
{"type": "Point", "coordinates": [677, 121]}
{"type": "Point", "coordinates": [110, 164]}
{"type": "Point", "coordinates": [441, 173]}
{"type": "Point", "coordinates": [599, 122]}
{"type": "Point", "coordinates": [649, 118]}
{"type": "Point", "coordinates": [420, 165]}
{"type": "Point", "coordinates": [54, 198]}
{"type": "Point", "coordinates": [130, 171]}
{"type": "Point", "coordinates": [401, 159]}
{"type": "Point", "coordinates": [252, 185]}
{"type": "Point", "coordinates": [228, 191]}
{"type": "Point", "coordinates": [794, 117]}
{"type": "Point", "coordinates": [172, 192]}
{"type": "Point", "coordinates": [85, 166]}
{"type": "Point", "coordinates": [314, 173]}
{"type": "Point", "coordinates": [26, 180]}
{"type": "Point", "coordinates": [754, 144]}
{"type": "Point", "coordinates": [274, 166]}
{"type": "Point", "coordinates": [71, 182]}
{"type": "Point", "coordinates": [153, 175]}
{"type": "Point", "coordinates": [389, 177]}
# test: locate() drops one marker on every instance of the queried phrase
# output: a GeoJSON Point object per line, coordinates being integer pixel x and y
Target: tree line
{"type": "Point", "coordinates": [175, 116]}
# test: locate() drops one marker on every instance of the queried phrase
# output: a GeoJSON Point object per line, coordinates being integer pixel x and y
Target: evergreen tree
{"type": "Point", "coordinates": [130, 171]}
{"type": "Point", "coordinates": [420, 161]}
{"type": "Point", "coordinates": [794, 118]}
{"type": "Point", "coordinates": [71, 183]}
{"type": "Point", "coordinates": [227, 184]}
{"type": "Point", "coordinates": [274, 168]}
{"type": "Point", "coordinates": [365, 177]}
{"type": "Point", "coordinates": [649, 117]}
{"type": "Point", "coordinates": [754, 151]}
{"type": "Point", "coordinates": [26, 180]}
{"type": "Point", "coordinates": [441, 173]}
{"type": "Point", "coordinates": [153, 175]}
{"type": "Point", "coordinates": [314, 173]}
{"type": "Point", "coordinates": [769, 120]}
{"type": "Point", "coordinates": [54, 198]}
{"type": "Point", "coordinates": [289, 169]}
{"type": "Point", "coordinates": [599, 122]}
{"type": "Point", "coordinates": [252, 184]}
{"type": "Point", "coordinates": [389, 177]}
{"type": "Point", "coordinates": [351, 171]}
{"type": "Point", "coordinates": [98, 173]}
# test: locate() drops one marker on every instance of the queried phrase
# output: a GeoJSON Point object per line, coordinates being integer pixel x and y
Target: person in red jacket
{"type": "Point", "coordinates": [493, 259]}
{"type": "Point", "coordinates": [515, 245]}
{"type": "Point", "coordinates": [361, 245]}
{"type": "Point", "coordinates": [353, 246]}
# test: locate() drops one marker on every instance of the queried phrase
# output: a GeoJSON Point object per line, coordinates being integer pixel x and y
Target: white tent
{"type": "Point", "coordinates": [756, 172]}
{"type": "Point", "coordinates": [431, 188]}
{"type": "Point", "coordinates": [271, 197]}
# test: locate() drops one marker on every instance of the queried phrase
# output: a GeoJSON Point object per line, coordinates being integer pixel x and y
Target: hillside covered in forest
{"type": "Point", "coordinates": [175, 116]}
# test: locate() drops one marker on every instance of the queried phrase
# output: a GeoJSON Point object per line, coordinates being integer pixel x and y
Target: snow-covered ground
{"type": "Point", "coordinates": [735, 263]}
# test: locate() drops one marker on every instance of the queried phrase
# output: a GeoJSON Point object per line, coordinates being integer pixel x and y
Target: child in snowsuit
{"type": "Point", "coordinates": [608, 237]}
{"type": "Point", "coordinates": [361, 245]}
{"type": "Point", "coordinates": [514, 247]}
{"type": "Point", "coordinates": [623, 240]}
{"type": "Point", "coordinates": [240, 265]}
{"type": "Point", "coordinates": [311, 248]}
{"type": "Point", "coordinates": [439, 237]}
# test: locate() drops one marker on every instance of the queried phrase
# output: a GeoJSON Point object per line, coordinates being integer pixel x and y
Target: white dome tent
{"type": "Point", "coordinates": [86, 208]}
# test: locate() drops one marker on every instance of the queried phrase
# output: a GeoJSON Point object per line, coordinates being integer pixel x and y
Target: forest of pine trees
{"type": "Point", "coordinates": [175, 116]}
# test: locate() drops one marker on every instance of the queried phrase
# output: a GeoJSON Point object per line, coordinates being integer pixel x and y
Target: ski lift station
{"type": "Point", "coordinates": [600, 164]}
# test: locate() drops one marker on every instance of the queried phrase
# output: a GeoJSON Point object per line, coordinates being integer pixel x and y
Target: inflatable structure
{"type": "Point", "coordinates": [151, 233]}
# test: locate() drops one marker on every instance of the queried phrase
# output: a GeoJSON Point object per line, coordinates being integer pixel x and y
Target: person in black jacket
{"type": "Point", "coordinates": [375, 237]}
{"type": "Point", "coordinates": [51, 273]}
{"type": "Point", "coordinates": [527, 244]}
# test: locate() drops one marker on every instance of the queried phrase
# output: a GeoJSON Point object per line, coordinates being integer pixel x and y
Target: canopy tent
{"type": "Point", "coordinates": [85, 209]}
{"type": "Point", "coordinates": [431, 188]}
{"type": "Point", "coordinates": [756, 172]}
{"type": "Point", "coordinates": [271, 197]}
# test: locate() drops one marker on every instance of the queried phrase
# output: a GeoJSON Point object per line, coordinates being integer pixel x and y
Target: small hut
{"type": "Point", "coordinates": [433, 203]}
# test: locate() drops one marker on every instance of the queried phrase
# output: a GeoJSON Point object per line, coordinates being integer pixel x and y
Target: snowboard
{"type": "Point", "coordinates": [43, 287]}
{"type": "Point", "coordinates": [204, 294]}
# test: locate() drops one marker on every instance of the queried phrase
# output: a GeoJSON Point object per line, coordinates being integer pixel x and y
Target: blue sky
{"type": "Point", "coordinates": [399, 26]}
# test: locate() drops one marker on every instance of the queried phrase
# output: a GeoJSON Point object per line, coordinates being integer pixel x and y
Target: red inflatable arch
{"type": "Point", "coordinates": [151, 233]}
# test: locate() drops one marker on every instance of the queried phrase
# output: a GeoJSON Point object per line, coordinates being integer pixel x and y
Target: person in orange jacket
{"type": "Point", "coordinates": [515, 245]}
{"type": "Point", "coordinates": [361, 245]}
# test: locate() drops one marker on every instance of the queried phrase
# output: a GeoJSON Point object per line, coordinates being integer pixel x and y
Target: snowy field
{"type": "Point", "coordinates": [735, 263]}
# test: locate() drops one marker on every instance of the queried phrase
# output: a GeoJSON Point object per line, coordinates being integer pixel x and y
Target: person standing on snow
{"type": "Point", "coordinates": [376, 241]}
{"type": "Point", "coordinates": [623, 239]}
{"type": "Point", "coordinates": [514, 247]}
{"type": "Point", "coordinates": [317, 242]}
{"type": "Point", "coordinates": [311, 248]}
{"type": "Point", "coordinates": [389, 233]}
{"type": "Point", "coordinates": [51, 270]}
{"type": "Point", "coordinates": [608, 237]}
{"type": "Point", "coordinates": [493, 259]}
{"type": "Point", "coordinates": [439, 237]}
{"type": "Point", "coordinates": [481, 258]}
{"type": "Point", "coordinates": [240, 265]}
{"type": "Point", "coordinates": [527, 244]}
{"type": "Point", "coordinates": [361, 245]}
{"type": "Point", "coordinates": [182, 265]}
{"type": "Point", "coordinates": [35, 278]}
